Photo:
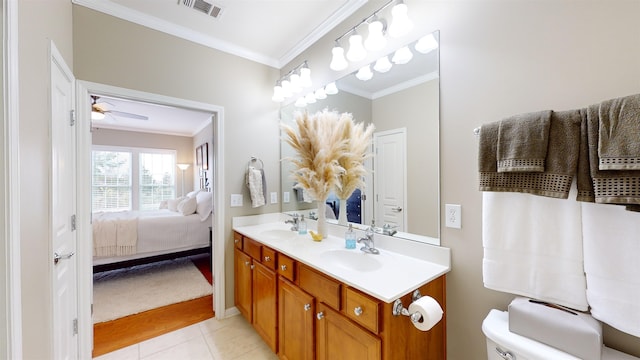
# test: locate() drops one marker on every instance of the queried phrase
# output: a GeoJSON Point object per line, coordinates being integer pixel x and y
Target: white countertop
{"type": "Point", "coordinates": [387, 276]}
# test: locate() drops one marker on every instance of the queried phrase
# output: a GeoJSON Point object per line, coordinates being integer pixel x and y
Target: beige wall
{"type": "Point", "coordinates": [40, 22]}
{"type": "Point", "coordinates": [182, 144]}
{"type": "Point", "coordinates": [499, 58]}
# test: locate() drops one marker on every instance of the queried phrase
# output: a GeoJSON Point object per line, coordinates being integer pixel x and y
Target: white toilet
{"type": "Point", "coordinates": [503, 344]}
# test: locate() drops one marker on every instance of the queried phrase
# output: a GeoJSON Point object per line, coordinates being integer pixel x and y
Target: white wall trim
{"type": "Point", "coordinates": [84, 88]}
{"type": "Point", "coordinates": [11, 293]}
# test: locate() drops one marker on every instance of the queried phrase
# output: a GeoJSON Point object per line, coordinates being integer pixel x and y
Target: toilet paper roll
{"type": "Point", "coordinates": [430, 310]}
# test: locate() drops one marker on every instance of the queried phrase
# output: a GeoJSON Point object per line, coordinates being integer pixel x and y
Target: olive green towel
{"type": "Point", "coordinates": [619, 133]}
{"type": "Point", "coordinates": [522, 142]}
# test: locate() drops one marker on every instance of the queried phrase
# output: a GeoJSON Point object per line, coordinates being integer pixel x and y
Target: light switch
{"type": "Point", "coordinates": [274, 197]}
{"type": "Point", "coordinates": [285, 197]}
{"type": "Point", "coordinates": [236, 200]}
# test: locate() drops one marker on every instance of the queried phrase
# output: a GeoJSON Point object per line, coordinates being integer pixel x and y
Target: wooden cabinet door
{"type": "Point", "coordinates": [337, 338]}
{"type": "Point", "coordinates": [296, 311]}
{"type": "Point", "coordinates": [265, 295]}
{"type": "Point", "coordinates": [243, 287]}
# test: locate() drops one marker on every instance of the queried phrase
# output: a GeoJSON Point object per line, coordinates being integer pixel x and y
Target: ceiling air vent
{"type": "Point", "coordinates": [203, 7]}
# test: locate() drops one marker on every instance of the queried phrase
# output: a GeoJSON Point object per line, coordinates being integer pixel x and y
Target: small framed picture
{"type": "Point", "coordinates": [205, 156]}
{"type": "Point", "coordinates": [199, 155]}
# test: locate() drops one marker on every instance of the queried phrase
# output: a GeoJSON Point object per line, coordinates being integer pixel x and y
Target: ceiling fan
{"type": "Point", "coordinates": [98, 111]}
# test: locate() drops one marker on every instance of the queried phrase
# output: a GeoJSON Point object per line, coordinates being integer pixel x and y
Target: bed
{"type": "Point", "coordinates": [181, 227]}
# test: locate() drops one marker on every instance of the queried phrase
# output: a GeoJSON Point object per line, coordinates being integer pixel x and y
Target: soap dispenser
{"type": "Point", "coordinates": [302, 226]}
{"type": "Point", "coordinates": [350, 238]}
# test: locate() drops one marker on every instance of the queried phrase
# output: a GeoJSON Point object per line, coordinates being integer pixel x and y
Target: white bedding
{"type": "Point", "coordinates": [158, 232]}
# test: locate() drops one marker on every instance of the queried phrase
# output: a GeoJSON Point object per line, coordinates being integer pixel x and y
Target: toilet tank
{"type": "Point", "coordinates": [503, 344]}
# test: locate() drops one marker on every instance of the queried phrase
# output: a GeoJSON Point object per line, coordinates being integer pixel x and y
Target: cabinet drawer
{"type": "Point", "coordinates": [252, 248]}
{"type": "Point", "coordinates": [268, 258]}
{"type": "Point", "coordinates": [286, 267]}
{"type": "Point", "coordinates": [237, 240]}
{"type": "Point", "coordinates": [362, 309]}
{"type": "Point", "coordinates": [323, 288]}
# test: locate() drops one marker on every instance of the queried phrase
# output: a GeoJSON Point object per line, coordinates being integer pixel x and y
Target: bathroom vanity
{"type": "Point", "coordinates": [318, 300]}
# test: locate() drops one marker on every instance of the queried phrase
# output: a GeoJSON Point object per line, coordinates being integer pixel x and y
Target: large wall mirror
{"type": "Point", "coordinates": [402, 188]}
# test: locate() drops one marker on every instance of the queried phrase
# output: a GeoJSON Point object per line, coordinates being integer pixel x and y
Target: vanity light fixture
{"type": "Point", "coordinates": [383, 65]}
{"type": "Point", "coordinates": [293, 82]}
{"type": "Point", "coordinates": [331, 88]}
{"type": "Point", "coordinates": [376, 39]}
{"type": "Point", "coordinates": [426, 44]}
{"type": "Point", "coordinates": [310, 98]}
{"type": "Point", "coordinates": [400, 23]}
{"type": "Point", "coordinates": [364, 73]}
{"type": "Point", "coordinates": [402, 56]}
{"type": "Point", "coordinates": [300, 102]}
{"type": "Point", "coordinates": [321, 94]}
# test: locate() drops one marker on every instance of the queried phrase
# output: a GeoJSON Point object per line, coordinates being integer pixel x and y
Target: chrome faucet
{"type": "Point", "coordinates": [369, 246]}
{"type": "Point", "coordinates": [293, 221]}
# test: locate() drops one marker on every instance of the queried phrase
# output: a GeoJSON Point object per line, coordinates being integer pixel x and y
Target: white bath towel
{"type": "Point", "coordinates": [533, 247]}
{"type": "Point", "coordinates": [255, 184]}
{"type": "Point", "coordinates": [611, 251]}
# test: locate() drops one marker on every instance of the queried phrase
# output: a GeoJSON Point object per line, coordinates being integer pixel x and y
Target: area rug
{"type": "Point", "coordinates": [123, 292]}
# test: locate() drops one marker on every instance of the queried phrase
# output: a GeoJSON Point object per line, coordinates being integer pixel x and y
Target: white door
{"type": "Point", "coordinates": [389, 178]}
{"type": "Point", "coordinates": [63, 206]}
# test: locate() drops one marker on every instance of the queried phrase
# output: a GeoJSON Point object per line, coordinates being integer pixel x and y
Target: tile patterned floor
{"type": "Point", "coordinates": [226, 339]}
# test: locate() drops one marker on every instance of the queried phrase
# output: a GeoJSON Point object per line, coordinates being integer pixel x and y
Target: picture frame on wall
{"type": "Point", "coordinates": [199, 155]}
{"type": "Point", "coordinates": [205, 156]}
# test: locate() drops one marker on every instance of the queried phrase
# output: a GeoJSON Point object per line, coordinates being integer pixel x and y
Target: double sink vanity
{"type": "Point", "coordinates": [319, 300]}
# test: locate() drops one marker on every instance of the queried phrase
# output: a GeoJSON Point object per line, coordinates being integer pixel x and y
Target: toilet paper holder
{"type": "Point", "coordinates": [399, 309]}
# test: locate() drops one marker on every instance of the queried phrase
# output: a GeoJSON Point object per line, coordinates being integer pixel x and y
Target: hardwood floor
{"type": "Point", "coordinates": [116, 334]}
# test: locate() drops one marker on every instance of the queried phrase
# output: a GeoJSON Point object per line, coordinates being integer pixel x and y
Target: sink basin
{"type": "Point", "coordinates": [276, 234]}
{"type": "Point", "coordinates": [353, 259]}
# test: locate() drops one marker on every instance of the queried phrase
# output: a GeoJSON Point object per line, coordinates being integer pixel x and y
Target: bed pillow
{"type": "Point", "coordinates": [164, 204]}
{"type": "Point", "coordinates": [172, 204]}
{"type": "Point", "coordinates": [193, 193]}
{"type": "Point", "coordinates": [187, 206]}
{"type": "Point", "coordinates": [205, 204]}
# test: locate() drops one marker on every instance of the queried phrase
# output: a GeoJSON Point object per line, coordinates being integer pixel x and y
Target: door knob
{"type": "Point", "coordinates": [57, 257]}
{"type": "Point", "coordinates": [396, 209]}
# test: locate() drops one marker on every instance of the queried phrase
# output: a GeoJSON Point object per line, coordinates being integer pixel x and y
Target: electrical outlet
{"type": "Point", "coordinates": [285, 197]}
{"type": "Point", "coordinates": [453, 214]}
{"type": "Point", "coordinates": [236, 200]}
{"type": "Point", "coordinates": [274, 197]}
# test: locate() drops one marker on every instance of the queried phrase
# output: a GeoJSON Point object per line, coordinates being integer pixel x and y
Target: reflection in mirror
{"type": "Point", "coordinates": [402, 191]}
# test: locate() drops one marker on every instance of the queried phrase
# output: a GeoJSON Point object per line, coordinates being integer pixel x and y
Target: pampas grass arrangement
{"type": "Point", "coordinates": [331, 150]}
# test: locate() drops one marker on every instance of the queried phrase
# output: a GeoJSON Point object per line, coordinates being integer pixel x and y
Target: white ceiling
{"type": "Point", "coordinates": [271, 32]}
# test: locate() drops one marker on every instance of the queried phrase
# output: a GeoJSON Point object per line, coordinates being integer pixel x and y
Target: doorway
{"type": "Point", "coordinates": [84, 100]}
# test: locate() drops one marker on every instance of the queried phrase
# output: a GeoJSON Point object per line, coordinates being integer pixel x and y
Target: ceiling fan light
{"type": "Point", "coordinates": [338, 62]}
{"type": "Point", "coordinates": [382, 65]}
{"type": "Point", "coordinates": [320, 94]}
{"type": "Point", "coordinates": [331, 88]}
{"type": "Point", "coordinates": [96, 115]}
{"type": "Point", "coordinates": [376, 40]}
{"type": "Point", "coordinates": [356, 49]}
{"type": "Point", "coordinates": [402, 56]}
{"type": "Point", "coordinates": [364, 73]}
{"type": "Point", "coordinates": [426, 44]}
{"type": "Point", "coordinates": [305, 76]}
{"type": "Point", "coordinates": [300, 102]}
{"type": "Point", "coordinates": [400, 23]}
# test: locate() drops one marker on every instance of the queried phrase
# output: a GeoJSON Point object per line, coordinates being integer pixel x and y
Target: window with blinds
{"type": "Point", "coordinates": [132, 178]}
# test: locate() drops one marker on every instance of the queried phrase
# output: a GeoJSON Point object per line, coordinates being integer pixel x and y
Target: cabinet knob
{"type": "Point", "coordinates": [252, 267]}
{"type": "Point", "coordinates": [307, 307]}
{"type": "Point", "coordinates": [357, 311]}
{"type": "Point", "coordinates": [267, 258]}
{"type": "Point", "coordinates": [246, 263]}
{"type": "Point", "coordinates": [283, 267]}
{"type": "Point", "coordinates": [320, 315]}
{"type": "Point", "coordinates": [236, 241]}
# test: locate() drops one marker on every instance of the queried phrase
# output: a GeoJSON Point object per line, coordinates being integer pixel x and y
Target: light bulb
{"type": "Point", "coordinates": [338, 62]}
{"type": "Point", "coordinates": [320, 94]}
{"type": "Point", "coordinates": [364, 73]}
{"type": "Point", "coordinates": [310, 98]}
{"type": "Point", "coordinates": [382, 65]}
{"type": "Point", "coordinates": [277, 94]}
{"type": "Point", "coordinates": [286, 89]}
{"type": "Point", "coordinates": [400, 23]}
{"type": "Point", "coordinates": [356, 50]}
{"type": "Point", "coordinates": [426, 44]}
{"type": "Point", "coordinates": [375, 40]}
{"type": "Point", "coordinates": [305, 76]}
{"type": "Point", "coordinates": [301, 102]}
{"type": "Point", "coordinates": [402, 56]}
{"type": "Point", "coordinates": [296, 84]}
{"type": "Point", "coordinates": [331, 88]}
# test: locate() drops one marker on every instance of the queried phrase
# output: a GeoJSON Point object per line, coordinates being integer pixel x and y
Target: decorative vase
{"type": "Point", "coordinates": [342, 214]}
{"type": "Point", "coordinates": [322, 219]}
